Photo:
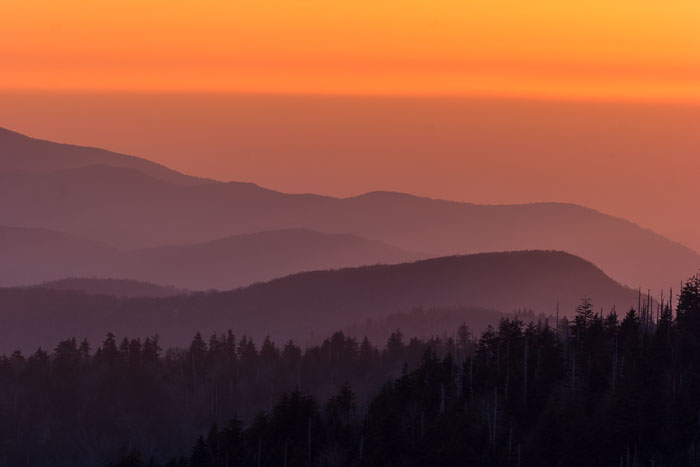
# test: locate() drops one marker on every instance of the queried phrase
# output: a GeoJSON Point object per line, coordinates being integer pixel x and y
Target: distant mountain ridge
{"type": "Point", "coordinates": [31, 256]}
{"type": "Point", "coordinates": [128, 208]}
{"type": "Point", "coordinates": [24, 153]}
{"type": "Point", "coordinates": [243, 259]}
{"type": "Point", "coordinates": [307, 305]}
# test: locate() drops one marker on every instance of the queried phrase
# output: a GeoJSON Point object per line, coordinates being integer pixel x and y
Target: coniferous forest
{"type": "Point", "coordinates": [599, 389]}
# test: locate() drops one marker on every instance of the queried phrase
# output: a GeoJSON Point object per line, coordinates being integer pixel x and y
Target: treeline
{"type": "Point", "coordinates": [603, 390]}
{"type": "Point", "coordinates": [77, 406]}
{"type": "Point", "coordinates": [437, 321]}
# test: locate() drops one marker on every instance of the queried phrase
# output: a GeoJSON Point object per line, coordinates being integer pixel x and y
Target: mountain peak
{"type": "Point", "coordinates": [21, 152]}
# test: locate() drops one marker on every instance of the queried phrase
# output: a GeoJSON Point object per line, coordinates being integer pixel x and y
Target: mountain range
{"type": "Point", "coordinates": [130, 204]}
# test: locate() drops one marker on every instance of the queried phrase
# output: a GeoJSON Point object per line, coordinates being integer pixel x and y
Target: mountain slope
{"type": "Point", "coordinates": [243, 259]}
{"type": "Point", "coordinates": [311, 304]}
{"type": "Point", "coordinates": [33, 256]}
{"type": "Point", "coordinates": [128, 209]}
{"type": "Point", "coordinates": [20, 152]}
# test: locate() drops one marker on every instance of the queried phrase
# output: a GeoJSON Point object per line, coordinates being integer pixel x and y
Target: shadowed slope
{"type": "Point", "coordinates": [311, 304]}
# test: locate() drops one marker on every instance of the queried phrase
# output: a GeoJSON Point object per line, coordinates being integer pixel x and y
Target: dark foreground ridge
{"type": "Point", "coordinates": [307, 306]}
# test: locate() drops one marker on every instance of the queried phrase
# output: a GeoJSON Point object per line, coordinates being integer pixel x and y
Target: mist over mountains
{"type": "Point", "coordinates": [130, 203]}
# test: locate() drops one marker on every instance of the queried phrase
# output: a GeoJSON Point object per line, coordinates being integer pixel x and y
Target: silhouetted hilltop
{"type": "Point", "coordinates": [20, 152]}
{"type": "Point", "coordinates": [306, 305]}
{"type": "Point", "coordinates": [113, 287]}
{"type": "Point", "coordinates": [30, 256]}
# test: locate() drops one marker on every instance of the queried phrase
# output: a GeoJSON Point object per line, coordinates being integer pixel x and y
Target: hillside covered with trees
{"type": "Point", "coordinates": [309, 306]}
{"type": "Point", "coordinates": [600, 389]}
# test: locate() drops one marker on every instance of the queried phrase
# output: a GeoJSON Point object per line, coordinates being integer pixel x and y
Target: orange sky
{"type": "Point", "coordinates": [635, 160]}
{"type": "Point", "coordinates": [167, 80]}
{"type": "Point", "coordinates": [635, 49]}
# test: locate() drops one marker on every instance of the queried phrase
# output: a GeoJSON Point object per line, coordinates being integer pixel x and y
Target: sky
{"type": "Point", "coordinates": [648, 49]}
{"type": "Point", "coordinates": [504, 101]}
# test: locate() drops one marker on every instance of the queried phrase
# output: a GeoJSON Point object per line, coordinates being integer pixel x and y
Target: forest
{"type": "Point", "coordinates": [599, 389]}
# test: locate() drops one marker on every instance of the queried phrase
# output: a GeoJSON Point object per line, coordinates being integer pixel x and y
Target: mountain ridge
{"type": "Point", "coordinates": [37, 153]}
{"type": "Point", "coordinates": [37, 255]}
{"type": "Point", "coordinates": [305, 305]}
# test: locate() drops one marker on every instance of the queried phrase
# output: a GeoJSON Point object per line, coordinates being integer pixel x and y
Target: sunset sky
{"type": "Point", "coordinates": [621, 49]}
{"type": "Point", "coordinates": [498, 101]}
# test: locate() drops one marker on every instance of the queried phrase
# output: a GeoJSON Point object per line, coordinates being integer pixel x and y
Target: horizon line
{"type": "Point", "coordinates": [475, 96]}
